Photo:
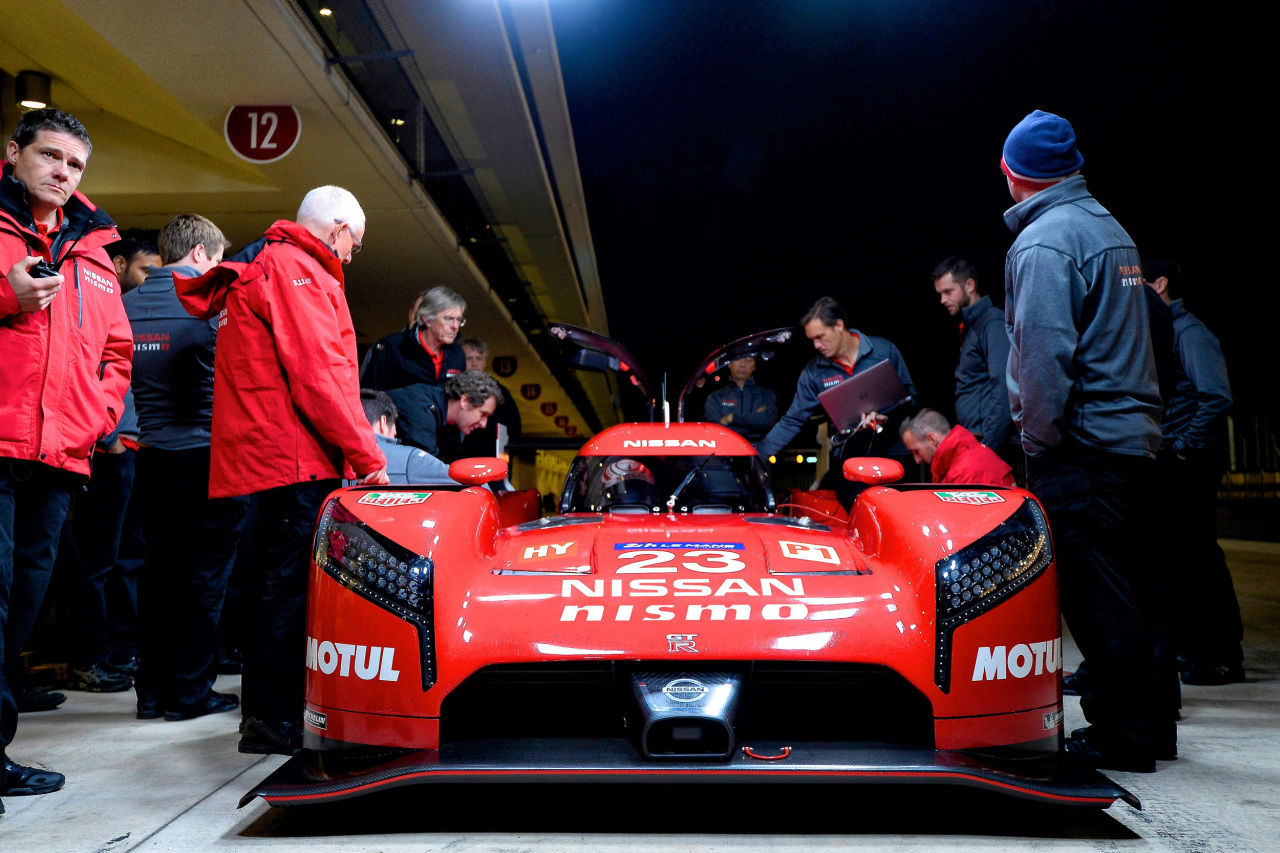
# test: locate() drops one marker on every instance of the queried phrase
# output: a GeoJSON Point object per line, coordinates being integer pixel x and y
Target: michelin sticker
{"type": "Point", "coordinates": [394, 498]}
{"type": "Point", "coordinates": [315, 718]}
{"type": "Point", "coordinates": [971, 498]}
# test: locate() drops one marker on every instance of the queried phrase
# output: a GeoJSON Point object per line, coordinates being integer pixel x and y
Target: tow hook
{"type": "Point", "coordinates": [751, 753]}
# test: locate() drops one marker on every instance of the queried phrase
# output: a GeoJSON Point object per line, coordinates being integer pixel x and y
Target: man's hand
{"type": "Point", "coordinates": [872, 420]}
{"type": "Point", "coordinates": [34, 294]}
{"type": "Point", "coordinates": [118, 448]}
{"type": "Point", "coordinates": [727, 419]}
{"type": "Point", "coordinates": [377, 478]}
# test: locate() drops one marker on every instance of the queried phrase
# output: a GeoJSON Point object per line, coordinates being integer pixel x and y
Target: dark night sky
{"type": "Point", "coordinates": [741, 159]}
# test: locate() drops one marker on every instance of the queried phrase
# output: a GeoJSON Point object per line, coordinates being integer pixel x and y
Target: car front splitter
{"type": "Point", "coordinates": [310, 778]}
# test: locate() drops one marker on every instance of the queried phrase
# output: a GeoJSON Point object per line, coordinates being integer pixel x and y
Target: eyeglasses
{"type": "Point", "coordinates": [356, 245]}
{"type": "Point", "coordinates": [461, 321]}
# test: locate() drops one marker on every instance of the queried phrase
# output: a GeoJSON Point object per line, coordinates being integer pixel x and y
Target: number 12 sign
{"type": "Point", "coordinates": [262, 134]}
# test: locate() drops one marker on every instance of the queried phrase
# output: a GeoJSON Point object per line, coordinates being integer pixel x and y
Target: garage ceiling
{"type": "Point", "coordinates": [153, 82]}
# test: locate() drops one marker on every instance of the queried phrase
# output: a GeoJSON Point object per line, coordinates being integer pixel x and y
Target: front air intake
{"type": "Point", "coordinates": [687, 715]}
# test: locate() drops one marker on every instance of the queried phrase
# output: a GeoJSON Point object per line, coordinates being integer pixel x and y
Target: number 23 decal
{"type": "Point", "coordinates": [709, 562]}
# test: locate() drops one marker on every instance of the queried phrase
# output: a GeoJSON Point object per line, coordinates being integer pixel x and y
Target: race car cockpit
{"type": "Point", "coordinates": [644, 484]}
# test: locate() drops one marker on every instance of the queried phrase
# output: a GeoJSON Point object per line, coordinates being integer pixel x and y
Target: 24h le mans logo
{"type": "Point", "coordinates": [394, 498]}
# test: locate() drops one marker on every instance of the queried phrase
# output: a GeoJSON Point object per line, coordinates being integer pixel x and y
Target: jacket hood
{"type": "Point", "coordinates": [1027, 211]}
{"type": "Point", "coordinates": [204, 296]}
{"type": "Point", "coordinates": [83, 220]}
{"type": "Point", "coordinates": [953, 443]}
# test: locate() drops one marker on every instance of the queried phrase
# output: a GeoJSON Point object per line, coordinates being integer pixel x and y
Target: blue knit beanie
{"type": "Point", "coordinates": [1042, 146]}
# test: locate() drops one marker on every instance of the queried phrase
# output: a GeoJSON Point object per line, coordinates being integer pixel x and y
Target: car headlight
{"type": "Point", "coordinates": [986, 572]}
{"type": "Point", "coordinates": [380, 570]}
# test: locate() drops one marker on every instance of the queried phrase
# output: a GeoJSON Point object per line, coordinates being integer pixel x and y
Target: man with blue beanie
{"type": "Point", "coordinates": [1084, 395]}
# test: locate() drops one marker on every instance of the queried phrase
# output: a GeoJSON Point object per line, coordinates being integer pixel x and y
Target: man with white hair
{"type": "Point", "coordinates": [287, 426]}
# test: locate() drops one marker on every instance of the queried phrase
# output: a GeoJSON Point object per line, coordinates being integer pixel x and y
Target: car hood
{"type": "Point", "coordinates": [674, 586]}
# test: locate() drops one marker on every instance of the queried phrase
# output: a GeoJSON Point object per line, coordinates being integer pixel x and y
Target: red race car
{"type": "Point", "coordinates": [673, 622]}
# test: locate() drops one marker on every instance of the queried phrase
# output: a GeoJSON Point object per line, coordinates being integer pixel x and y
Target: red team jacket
{"type": "Point", "coordinates": [286, 394]}
{"type": "Point", "coordinates": [63, 370]}
{"type": "Point", "coordinates": [961, 458]}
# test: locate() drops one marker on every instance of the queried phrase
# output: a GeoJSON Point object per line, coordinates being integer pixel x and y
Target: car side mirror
{"type": "Point", "coordinates": [479, 470]}
{"type": "Point", "coordinates": [872, 470]}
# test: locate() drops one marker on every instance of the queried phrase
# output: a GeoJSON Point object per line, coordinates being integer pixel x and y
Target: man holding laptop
{"type": "Point", "coordinates": [845, 353]}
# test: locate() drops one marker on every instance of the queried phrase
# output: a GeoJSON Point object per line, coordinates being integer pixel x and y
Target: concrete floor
{"type": "Point", "coordinates": [152, 786]}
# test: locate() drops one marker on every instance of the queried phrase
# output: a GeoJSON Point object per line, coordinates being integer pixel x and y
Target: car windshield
{"type": "Point", "coordinates": [645, 483]}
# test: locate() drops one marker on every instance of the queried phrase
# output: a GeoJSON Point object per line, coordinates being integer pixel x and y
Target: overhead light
{"type": "Point", "coordinates": [32, 88]}
{"type": "Point", "coordinates": [325, 11]}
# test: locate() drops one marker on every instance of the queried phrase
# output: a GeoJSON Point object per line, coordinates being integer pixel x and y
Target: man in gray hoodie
{"type": "Point", "coordinates": [1084, 395]}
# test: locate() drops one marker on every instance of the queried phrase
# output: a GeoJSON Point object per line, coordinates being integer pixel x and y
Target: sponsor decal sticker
{"type": "Point", "coordinates": [678, 546]}
{"type": "Point", "coordinates": [394, 498]}
{"type": "Point", "coordinates": [685, 690]}
{"type": "Point", "coordinates": [682, 643]}
{"type": "Point", "coordinates": [550, 549]}
{"type": "Point", "coordinates": [315, 718]}
{"type": "Point", "coordinates": [1000, 662]}
{"type": "Point", "coordinates": [1053, 720]}
{"type": "Point", "coordinates": [367, 663]}
{"type": "Point", "coordinates": [971, 498]}
{"type": "Point", "coordinates": [810, 552]}
{"type": "Point", "coordinates": [668, 442]}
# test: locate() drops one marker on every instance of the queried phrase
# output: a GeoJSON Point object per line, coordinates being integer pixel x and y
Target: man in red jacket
{"type": "Point", "coordinates": [65, 348]}
{"type": "Point", "coordinates": [287, 427]}
{"type": "Point", "coordinates": [952, 453]}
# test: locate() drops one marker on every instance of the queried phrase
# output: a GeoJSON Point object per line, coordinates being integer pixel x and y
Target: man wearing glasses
{"type": "Point", "coordinates": [287, 427]}
{"type": "Point", "coordinates": [427, 351]}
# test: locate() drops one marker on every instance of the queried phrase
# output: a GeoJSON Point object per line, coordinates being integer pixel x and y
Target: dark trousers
{"type": "Point", "coordinates": [89, 577]}
{"type": "Point", "coordinates": [1207, 624]}
{"type": "Point", "coordinates": [122, 588]}
{"type": "Point", "coordinates": [34, 502]}
{"type": "Point", "coordinates": [1097, 505]}
{"type": "Point", "coordinates": [192, 543]}
{"type": "Point", "coordinates": [275, 599]}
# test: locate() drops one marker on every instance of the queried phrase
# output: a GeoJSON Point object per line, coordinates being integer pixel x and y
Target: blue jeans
{"type": "Point", "coordinates": [34, 501]}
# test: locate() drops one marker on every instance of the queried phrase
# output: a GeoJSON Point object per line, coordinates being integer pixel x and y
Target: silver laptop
{"type": "Point", "coordinates": [873, 390]}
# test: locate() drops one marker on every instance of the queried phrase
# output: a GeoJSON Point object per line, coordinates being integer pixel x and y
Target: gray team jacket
{"type": "Point", "coordinates": [982, 397]}
{"type": "Point", "coordinates": [1081, 365]}
{"type": "Point", "coordinates": [1196, 416]}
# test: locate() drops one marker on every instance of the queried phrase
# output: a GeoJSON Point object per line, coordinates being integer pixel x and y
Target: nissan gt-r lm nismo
{"type": "Point", "coordinates": [672, 623]}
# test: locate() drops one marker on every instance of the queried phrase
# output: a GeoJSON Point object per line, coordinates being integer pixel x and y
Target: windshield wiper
{"type": "Point", "coordinates": [675, 496]}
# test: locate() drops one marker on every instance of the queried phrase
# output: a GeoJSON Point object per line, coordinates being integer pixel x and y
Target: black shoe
{"type": "Point", "coordinates": [38, 699]}
{"type": "Point", "coordinates": [125, 664]}
{"type": "Point", "coordinates": [217, 703]}
{"type": "Point", "coordinates": [20, 781]}
{"type": "Point", "coordinates": [149, 706]}
{"type": "Point", "coordinates": [1204, 674]}
{"type": "Point", "coordinates": [259, 738]}
{"type": "Point", "coordinates": [1083, 745]}
{"type": "Point", "coordinates": [1165, 753]}
{"type": "Point", "coordinates": [97, 679]}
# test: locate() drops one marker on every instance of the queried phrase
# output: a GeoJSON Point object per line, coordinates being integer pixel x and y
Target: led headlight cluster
{"type": "Point", "coordinates": [374, 567]}
{"type": "Point", "coordinates": [983, 574]}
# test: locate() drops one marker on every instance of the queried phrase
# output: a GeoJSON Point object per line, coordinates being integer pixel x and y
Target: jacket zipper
{"type": "Point", "coordinates": [75, 266]}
